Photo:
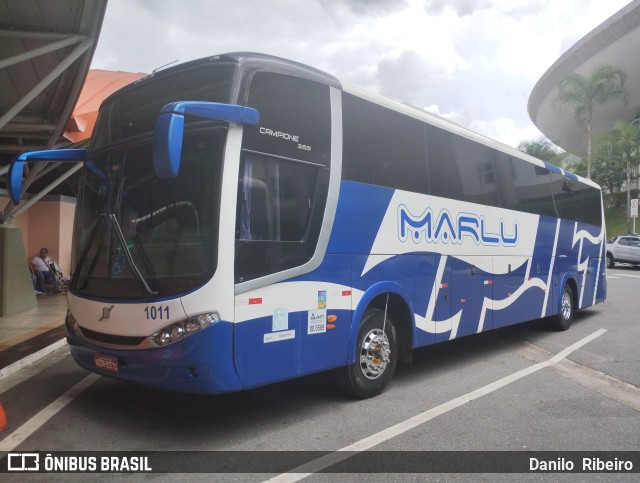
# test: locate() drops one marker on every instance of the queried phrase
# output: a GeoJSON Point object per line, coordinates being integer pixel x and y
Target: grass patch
{"type": "Point", "coordinates": [616, 220]}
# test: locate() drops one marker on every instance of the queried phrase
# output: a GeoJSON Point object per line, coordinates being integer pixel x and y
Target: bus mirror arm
{"type": "Point", "coordinates": [16, 170]}
{"type": "Point", "coordinates": [169, 130]}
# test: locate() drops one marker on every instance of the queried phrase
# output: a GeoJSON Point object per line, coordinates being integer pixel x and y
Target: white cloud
{"type": "Point", "coordinates": [476, 59]}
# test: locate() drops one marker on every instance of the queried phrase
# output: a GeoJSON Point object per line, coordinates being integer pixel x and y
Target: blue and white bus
{"type": "Point", "coordinates": [244, 219]}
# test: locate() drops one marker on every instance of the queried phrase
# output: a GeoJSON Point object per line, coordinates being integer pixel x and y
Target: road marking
{"type": "Point", "coordinates": [12, 441]}
{"type": "Point", "coordinates": [29, 366]}
{"type": "Point", "coordinates": [625, 275]}
{"type": "Point", "coordinates": [610, 277]}
{"type": "Point", "coordinates": [32, 358]}
{"type": "Point", "coordinates": [608, 386]}
{"type": "Point", "coordinates": [330, 459]}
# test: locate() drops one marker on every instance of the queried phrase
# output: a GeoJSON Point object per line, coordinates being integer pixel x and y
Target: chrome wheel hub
{"type": "Point", "coordinates": [374, 354]}
{"type": "Point", "coordinates": [566, 306]}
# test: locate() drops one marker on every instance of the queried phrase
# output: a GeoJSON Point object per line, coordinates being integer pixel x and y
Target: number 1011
{"type": "Point", "coordinates": [161, 312]}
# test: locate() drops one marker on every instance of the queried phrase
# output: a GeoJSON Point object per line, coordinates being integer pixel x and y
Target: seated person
{"type": "Point", "coordinates": [44, 270]}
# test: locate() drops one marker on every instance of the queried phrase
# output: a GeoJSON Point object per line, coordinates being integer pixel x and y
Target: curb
{"type": "Point", "coordinates": [32, 358]}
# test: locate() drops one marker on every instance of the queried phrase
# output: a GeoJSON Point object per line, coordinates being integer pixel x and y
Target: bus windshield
{"type": "Point", "coordinates": [139, 235]}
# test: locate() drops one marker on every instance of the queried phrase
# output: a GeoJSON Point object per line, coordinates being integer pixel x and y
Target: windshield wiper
{"type": "Point", "coordinates": [85, 253]}
{"type": "Point", "coordinates": [127, 253]}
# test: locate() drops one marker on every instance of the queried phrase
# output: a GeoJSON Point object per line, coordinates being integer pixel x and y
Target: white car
{"type": "Point", "coordinates": [623, 249]}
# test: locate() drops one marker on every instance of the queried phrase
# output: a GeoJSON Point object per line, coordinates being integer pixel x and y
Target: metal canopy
{"type": "Point", "coordinates": [45, 52]}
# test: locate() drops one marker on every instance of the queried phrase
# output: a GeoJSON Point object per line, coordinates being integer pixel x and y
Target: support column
{"type": "Point", "coordinates": [16, 288]}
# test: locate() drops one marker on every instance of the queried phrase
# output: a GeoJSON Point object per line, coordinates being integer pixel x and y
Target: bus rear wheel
{"type": "Point", "coordinates": [376, 356]}
{"type": "Point", "coordinates": [563, 320]}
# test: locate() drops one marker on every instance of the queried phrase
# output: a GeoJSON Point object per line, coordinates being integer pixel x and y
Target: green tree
{"type": "Point", "coordinates": [543, 149]}
{"type": "Point", "coordinates": [581, 94]}
{"type": "Point", "coordinates": [608, 168]}
{"type": "Point", "coordinates": [626, 136]}
{"type": "Point", "coordinates": [579, 167]}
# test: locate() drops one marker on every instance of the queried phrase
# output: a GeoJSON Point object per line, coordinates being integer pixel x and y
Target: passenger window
{"type": "Point", "coordinates": [279, 214]}
{"type": "Point", "coordinates": [382, 147]}
{"type": "Point", "coordinates": [444, 179]}
{"type": "Point", "coordinates": [524, 186]}
{"type": "Point", "coordinates": [477, 175]}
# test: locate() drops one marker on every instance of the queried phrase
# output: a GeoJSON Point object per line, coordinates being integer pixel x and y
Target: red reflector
{"type": "Point", "coordinates": [463, 300]}
{"type": "Point", "coordinates": [256, 301]}
{"type": "Point", "coordinates": [331, 326]}
{"type": "Point", "coordinates": [346, 293]}
{"type": "Point", "coordinates": [444, 285]}
{"type": "Point", "coordinates": [332, 318]}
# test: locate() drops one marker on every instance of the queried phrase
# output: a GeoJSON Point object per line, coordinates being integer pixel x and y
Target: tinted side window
{"type": "Point", "coordinates": [477, 174]}
{"type": "Point", "coordinates": [382, 147]}
{"type": "Point", "coordinates": [284, 175]}
{"type": "Point", "coordinates": [279, 214]}
{"type": "Point", "coordinates": [444, 179]}
{"type": "Point", "coordinates": [576, 201]}
{"type": "Point", "coordinates": [524, 186]}
{"type": "Point", "coordinates": [295, 118]}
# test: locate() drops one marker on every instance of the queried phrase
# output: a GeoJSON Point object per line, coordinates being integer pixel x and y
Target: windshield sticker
{"type": "Point", "coordinates": [117, 269]}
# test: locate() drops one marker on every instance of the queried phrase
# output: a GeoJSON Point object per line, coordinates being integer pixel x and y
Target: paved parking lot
{"type": "Point", "coordinates": [522, 388]}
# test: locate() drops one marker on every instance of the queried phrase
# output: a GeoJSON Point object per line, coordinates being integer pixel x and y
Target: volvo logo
{"type": "Point", "coordinates": [106, 313]}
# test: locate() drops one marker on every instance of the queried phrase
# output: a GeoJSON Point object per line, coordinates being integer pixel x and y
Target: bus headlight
{"type": "Point", "coordinates": [184, 328]}
{"type": "Point", "coordinates": [72, 323]}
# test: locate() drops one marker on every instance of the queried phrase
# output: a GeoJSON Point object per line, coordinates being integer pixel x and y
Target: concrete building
{"type": "Point", "coordinates": [615, 42]}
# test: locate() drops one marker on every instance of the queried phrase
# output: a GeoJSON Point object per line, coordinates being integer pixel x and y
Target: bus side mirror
{"type": "Point", "coordinates": [169, 130]}
{"type": "Point", "coordinates": [16, 170]}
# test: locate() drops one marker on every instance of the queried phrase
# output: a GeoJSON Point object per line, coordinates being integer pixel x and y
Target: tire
{"type": "Point", "coordinates": [376, 357]}
{"type": "Point", "coordinates": [610, 261]}
{"type": "Point", "coordinates": [563, 320]}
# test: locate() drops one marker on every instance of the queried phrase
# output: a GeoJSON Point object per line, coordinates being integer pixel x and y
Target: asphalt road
{"type": "Point", "coordinates": [499, 391]}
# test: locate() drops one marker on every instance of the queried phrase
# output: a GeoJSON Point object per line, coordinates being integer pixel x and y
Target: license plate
{"type": "Point", "coordinates": [106, 363]}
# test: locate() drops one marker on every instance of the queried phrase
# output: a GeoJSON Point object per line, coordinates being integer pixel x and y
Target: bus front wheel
{"type": "Point", "coordinates": [563, 320]}
{"type": "Point", "coordinates": [376, 356]}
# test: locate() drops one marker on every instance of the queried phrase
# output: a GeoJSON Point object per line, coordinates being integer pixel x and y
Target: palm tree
{"type": "Point", "coordinates": [626, 136]}
{"type": "Point", "coordinates": [581, 94]}
{"type": "Point", "coordinates": [543, 149]}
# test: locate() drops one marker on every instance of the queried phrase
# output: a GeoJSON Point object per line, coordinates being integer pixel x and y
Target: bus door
{"type": "Point", "coordinates": [472, 295]}
{"type": "Point", "coordinates": [282, 193]}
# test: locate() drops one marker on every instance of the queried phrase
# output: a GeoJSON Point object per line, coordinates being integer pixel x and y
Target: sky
{"type": "Point", "coordinates": [473, 62]}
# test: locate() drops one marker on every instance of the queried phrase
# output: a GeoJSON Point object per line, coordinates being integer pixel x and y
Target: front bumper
{"type": "Point", "coordinates": [201, 363]}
